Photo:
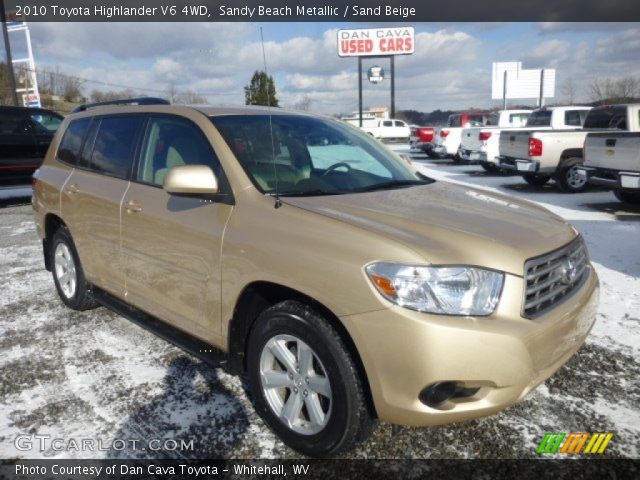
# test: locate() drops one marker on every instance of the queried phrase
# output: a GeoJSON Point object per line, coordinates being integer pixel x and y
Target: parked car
{"type": "Point", "coordinates": [612, 159]}
{"type": "Point", "coordinates": [447, 139]}
{"type": "Point", "coordinates": [25, 134]}
{"type": "Point", "coordinates": [539, 154]}
{"type": "Point", "coordinates": [388, 130]}
{"type": "Point", "coordinates": [347, 285]}
{"type": "Point", "coordinates": [422, 138]}
{"type": "Point", "coordinates": [480, 145]}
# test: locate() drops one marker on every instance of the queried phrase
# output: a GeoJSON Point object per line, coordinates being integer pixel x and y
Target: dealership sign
{"type": "Point", "coordinates": [376, 42]}
{"type": "Point", "coordinates": [376, 74]}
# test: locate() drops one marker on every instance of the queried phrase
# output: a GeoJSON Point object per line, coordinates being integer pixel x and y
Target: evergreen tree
{"type": "Point", "coordinates": [261, 90]}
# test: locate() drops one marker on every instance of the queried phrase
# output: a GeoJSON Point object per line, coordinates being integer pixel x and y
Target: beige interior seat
{"type": "Point", "coordinates": [181, 152]}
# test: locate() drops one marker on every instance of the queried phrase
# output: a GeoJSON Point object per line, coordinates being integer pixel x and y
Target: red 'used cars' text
{"type": "Point", "coordinates": [386, 45]}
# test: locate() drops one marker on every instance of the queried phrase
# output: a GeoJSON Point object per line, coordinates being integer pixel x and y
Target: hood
{"type": "Point", "coordinates": [450, 224]}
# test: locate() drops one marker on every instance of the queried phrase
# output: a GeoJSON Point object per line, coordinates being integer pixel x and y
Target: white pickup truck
{"type": "Point", "coordinates": [388, 130]}
{"type": "Point", "coordinates": [447, 139]}
{"type": "Point", "coordinates": [481, 144]}
{"type": "Point", "coordinates": [612, 159]}
{"type": "Point", "coordinates": [539, 154]}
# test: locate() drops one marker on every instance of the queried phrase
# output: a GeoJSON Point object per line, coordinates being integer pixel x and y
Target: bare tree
{"type": "Point", "coordinates": [191, 98]}
{"type": "Point", "coordinates": [304, 103]}
{"type": "Point", "coordinates": [606, 90]}
{"type": "Point", "coordinates": [568, 89]}
{"type": "Point", "coordinates": [100, 96]}
{"type": "Point", "coordinates": [172, 93]}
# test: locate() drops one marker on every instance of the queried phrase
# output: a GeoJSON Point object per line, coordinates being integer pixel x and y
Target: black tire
{"type": "Point", "coordinates": [567, 178]}
{"type": "Point", "coordinates": [349, 420]}
{"type": "Point", "coordinates": [632, 198]}
{"type": "Point", "coordinates": [536, 179]}
{"type": "Point", "coordinates": [489, 167]}
{"type": "Point", "coordinates": [81, 298]}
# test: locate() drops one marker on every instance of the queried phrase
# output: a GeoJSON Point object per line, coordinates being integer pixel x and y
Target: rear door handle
{"type": "Point", "coordinates": [72, 189]}
{"type": "Point", "coordinates": [132, 206]}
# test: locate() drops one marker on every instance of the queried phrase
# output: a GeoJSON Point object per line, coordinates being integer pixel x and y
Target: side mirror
{"type": "Point", "coordinates": [191, 180]}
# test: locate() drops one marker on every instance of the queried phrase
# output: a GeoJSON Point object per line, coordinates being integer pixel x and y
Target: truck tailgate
{"type": "Point", "coordinates": [515, 144]}
{"type": "Point", "coordinates": [470, 140]}
{"type": "Point", "coordinates": [619, 151]}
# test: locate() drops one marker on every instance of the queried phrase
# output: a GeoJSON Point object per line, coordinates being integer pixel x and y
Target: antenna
{"type": "Point", "coordinates": [278, 203]}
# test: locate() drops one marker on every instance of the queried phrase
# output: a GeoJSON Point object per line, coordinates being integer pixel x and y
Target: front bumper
{"type": "Point", "coordinates": [616, 179]}
{"type": "Point", "coordinates": [503, 355]}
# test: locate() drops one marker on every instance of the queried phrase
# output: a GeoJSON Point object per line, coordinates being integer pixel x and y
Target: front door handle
{"type": "Point", "coordinates": [132, 206]}
{"type": "Point", "coordinates": [72, 189]}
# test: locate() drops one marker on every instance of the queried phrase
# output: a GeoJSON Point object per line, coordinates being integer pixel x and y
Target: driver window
{"type": "Point", "coordinates": [170, 142]}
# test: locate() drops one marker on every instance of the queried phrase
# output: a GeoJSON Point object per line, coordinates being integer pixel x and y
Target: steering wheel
{"type": "Point", "coordinates": [335, 166]}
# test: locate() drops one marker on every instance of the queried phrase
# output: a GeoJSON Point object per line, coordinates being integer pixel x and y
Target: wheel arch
{"type": "Point", "coordinates": [52, 223]}
{"type": "Point", "coordinates": [570, 154]}
{"type": "Point", "coordinates": [260, 295]}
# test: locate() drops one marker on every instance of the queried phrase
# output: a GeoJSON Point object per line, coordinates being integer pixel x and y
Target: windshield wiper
{"type": "Point", "coordinates": [392, 184]}
{"type": "Point", "coordinates": [309, 193]}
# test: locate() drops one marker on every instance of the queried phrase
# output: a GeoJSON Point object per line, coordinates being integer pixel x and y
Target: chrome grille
{"type": "Point", "coordinates": [552, 277]}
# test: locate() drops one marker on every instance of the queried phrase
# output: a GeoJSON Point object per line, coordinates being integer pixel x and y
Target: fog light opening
{"type": "Point", "coordinates": [438, 393]}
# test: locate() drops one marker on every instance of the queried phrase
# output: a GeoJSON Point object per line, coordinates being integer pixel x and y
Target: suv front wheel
{"type": "Point", "coordinates": [68, 275]}
{"type": "Point", "coordinates": [304, 383]}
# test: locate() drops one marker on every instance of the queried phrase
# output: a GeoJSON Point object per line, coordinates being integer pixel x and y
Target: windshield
{"type": "Point", "coordinates": [539, 118]}
{"type": "Point", "coordinates": [46, 122]}
{"type": "Point", "coordinates": [311, 156]}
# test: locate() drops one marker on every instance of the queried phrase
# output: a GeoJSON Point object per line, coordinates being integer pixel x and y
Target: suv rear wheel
{"type": "Point", "coordinates": [67, 272]}
{"type": "Point", "coordinates": [628, 197]}
{"type": "Point", "coordinates": [536, 179]}
{"type": "Point", "coordinates": [304, 383]}
{"type": "Point", "coordinates": [568, 179]}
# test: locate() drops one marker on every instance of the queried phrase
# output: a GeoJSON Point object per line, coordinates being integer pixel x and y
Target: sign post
{"type": "Point", "coordinates": [376, 43]}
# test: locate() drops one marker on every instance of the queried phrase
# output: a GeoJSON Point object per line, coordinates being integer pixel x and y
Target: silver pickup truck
{"type": "Point", "coordinates": [541, 155]}
{"type": "Point", "coordinates": [612, 159]}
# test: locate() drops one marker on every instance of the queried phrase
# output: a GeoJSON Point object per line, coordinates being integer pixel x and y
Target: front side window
{"type": "Point", "coordinates": [71, 143]}
{"type": "Point", "coordinates": [387, 123]}
{"type": "Point", "coordinates": [171, 142]}
{"type": "Point", "coordinates": [310, 155]}
{"type": "Point", "coordinates": [114, 145]}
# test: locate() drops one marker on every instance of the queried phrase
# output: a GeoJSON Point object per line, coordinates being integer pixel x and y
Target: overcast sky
{"type": "Point", "coordinates": [451, 67]}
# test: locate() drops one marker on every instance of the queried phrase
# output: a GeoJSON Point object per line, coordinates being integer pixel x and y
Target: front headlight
{"type": "Point", "coordinates": [450, 290]}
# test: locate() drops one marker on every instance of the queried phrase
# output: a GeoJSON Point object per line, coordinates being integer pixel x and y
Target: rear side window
{"type": "Point", "coordinates": [387, 123]}
{"type": "Point", "coordinates": [45, 122]}
{"type": "Point", "coordinates": [518, 119]}
{"type": "Point", "coordinates": [114, 145]}
{"type": "Point", "coordinates": [541, 118]}
{"type": "Point", "coordinates": [607, 117]}
{"type": "Point", "coordinates": [575, 118]}
{"type": "Point", "coordinates": [71, 143]}
{"type": "Point", "coordinates": [13, 123]}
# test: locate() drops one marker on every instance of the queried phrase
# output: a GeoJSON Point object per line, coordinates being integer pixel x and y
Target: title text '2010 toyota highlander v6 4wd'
{"type": "Point", "coordinates": [347, 285]}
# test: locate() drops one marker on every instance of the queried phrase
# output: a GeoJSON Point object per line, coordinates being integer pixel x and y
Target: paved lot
{"type": "Point", "coordinates": [96, 375]}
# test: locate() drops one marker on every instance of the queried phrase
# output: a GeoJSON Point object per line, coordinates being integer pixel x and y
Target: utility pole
{"type": "Point", "coordinates": [7, 47]}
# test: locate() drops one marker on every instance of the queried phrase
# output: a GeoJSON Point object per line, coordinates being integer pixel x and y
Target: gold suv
{"type": "Point", "coordinates": [346, 284]}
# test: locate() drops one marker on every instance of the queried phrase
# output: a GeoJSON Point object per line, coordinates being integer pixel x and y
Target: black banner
{"type": "Point", "coordinates": [319, 11]}
{"type": "Point", "coordinates": [573, 469]}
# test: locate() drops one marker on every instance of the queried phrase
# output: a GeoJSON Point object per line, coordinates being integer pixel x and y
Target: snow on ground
{"type": "Point", "coordinates": [95, 375]}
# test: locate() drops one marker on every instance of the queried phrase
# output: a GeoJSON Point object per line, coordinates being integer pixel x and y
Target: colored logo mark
{"type": "Point", "coordinates": [575, 442]}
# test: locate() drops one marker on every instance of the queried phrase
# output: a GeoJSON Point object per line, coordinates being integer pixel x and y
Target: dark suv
{"type": "Point", "coordinates": [25, 135]}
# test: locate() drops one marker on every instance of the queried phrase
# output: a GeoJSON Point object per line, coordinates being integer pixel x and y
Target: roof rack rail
{"type": "Point", "coordinates": [124, 101]}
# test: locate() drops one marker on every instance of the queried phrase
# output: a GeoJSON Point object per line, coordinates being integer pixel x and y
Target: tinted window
{"type": "Point", "coordinates": [475, 121]}
{"type": "Point", "coordinates": [493, 120]}
{"type": "Point", "coordinates": [387, 123]}
{"type": "Point", "coordinates": [71, 142]}
{"type": "Point", "coordinates": [400, 124]}
{"type": "Point", "coordinates": [12, 123]}
{"type": "Point", "coordinates": [539, 118]}
{"type": "Point", "coordinates": [572, 117]}
{"type": "Point", "coordinates": [45, 122]}
{"type": "Point", "coordinates": [607, 117]}
{"type": "Point", "coordinates": [170, 142]}
{"type": "Point", "coordinates": [455, 121]}
{"type": "Point", "coordinates": [114, 145]}
{"type": "Point", "coordinates": [90, 138]}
